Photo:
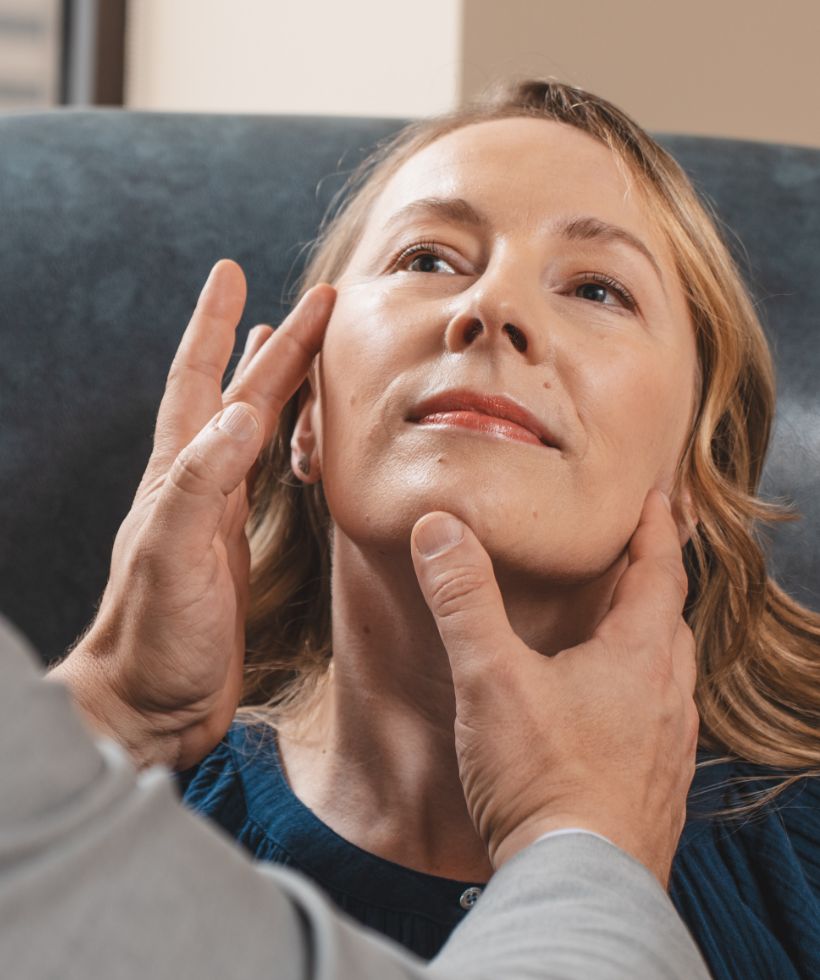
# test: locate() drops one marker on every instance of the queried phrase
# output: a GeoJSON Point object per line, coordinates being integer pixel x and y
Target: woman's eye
{"type": "Point", "coordinates": [427, 262]}
{"type": "Point", "coordinates": [598, 288]}
{"type": "Point", "coordinates": [424, 258]}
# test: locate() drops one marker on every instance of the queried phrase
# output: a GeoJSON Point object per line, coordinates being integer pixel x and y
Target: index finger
{"type": "Point", "coordinates": [650, 593]}
{"type": "Point", "coordinates": [282, 362]}
{"type": "Point", "coordinates": [193, 390]}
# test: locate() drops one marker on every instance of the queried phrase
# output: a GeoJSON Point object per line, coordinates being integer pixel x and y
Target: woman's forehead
{"type": "Point", "coordinates": [518, 169]}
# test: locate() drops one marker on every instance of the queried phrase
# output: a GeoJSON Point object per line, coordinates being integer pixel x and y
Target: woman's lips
{"type": "Point", "coordinates": [491, 413]}
{"type": "Point", "coordinates": [482, 423]}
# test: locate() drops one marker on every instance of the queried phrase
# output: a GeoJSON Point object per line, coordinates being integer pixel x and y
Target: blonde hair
{"type": "Point", "coordinates": [757, 649]}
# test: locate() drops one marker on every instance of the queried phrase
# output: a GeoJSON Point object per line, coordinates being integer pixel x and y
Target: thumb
{"type": "Point", "coordinates": [203, 475]}
{"type": "Point", "coordinates": [456, 577]}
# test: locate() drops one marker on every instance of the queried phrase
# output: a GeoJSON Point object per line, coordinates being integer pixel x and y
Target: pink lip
{"type": "Point", "coordinates": [495, 414]}
{"type": "Point", "coordinates": [482, 423]}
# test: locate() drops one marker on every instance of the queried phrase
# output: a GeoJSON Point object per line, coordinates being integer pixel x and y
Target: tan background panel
{"type": "Point", "coordinates": [713, 67]}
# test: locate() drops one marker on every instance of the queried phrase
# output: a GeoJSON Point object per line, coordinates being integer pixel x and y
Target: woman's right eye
{"type": "Point", "coordinates": [423, 257]}
{"type": "Point", "coordinates": [427, 262]}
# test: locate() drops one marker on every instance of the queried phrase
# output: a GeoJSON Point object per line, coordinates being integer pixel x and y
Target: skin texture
{"type": "Point", "coordinates": [614, 385]}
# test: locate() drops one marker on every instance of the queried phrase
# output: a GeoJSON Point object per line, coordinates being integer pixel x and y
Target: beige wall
{"type": "Point", "coordinates": [29, 54]}
{"type": "Point", "coordinates": [741, 68]}
{"type": "Point", "coordinates": [360, 57]}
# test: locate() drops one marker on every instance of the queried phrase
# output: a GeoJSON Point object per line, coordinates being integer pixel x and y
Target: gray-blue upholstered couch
{"type": "Point", "coordinates": [110, 223]}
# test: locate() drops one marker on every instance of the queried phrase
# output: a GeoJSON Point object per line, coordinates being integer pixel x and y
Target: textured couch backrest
{"type": "Point", "coordinates": [110, 223]}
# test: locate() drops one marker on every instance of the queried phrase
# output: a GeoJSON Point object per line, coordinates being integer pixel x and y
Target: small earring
{"type": "Point", "coordinates": [304, 465]}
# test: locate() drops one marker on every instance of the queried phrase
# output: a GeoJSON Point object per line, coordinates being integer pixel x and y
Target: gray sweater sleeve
{"type": "Point", "coordinates": [103, 874]}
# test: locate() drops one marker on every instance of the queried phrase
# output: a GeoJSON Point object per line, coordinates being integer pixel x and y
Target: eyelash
{"type": "Point", "coordinates": [422, 248]}
{"type": "Point", "coordinates": [613, 284]}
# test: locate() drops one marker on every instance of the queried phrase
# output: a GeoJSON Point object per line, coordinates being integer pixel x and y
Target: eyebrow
{"type": "Point", "coordinates": [577, 228]}
{"type": "Point", "coordinates": [453, 209]}
{"type": "Point", "coordinates": [584, 228]}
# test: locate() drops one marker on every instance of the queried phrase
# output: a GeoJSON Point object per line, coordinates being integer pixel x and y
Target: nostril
{"type": "Point", "coordinates": [519, 341]}
{"type": "Point", "coordinates": [474, 328]}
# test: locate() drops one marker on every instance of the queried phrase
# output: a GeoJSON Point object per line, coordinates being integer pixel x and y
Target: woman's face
{"type": "Point", "coordinates": [515, 259]}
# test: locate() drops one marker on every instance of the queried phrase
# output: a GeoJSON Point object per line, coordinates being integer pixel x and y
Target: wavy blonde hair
{"type": "Point", "coordinates": [757, 649]}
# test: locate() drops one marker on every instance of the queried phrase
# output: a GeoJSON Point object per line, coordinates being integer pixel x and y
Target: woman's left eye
{"type": "Point", "coordinates": [596, 286]}
{"type": "Point", "coordinates": [424, 257]}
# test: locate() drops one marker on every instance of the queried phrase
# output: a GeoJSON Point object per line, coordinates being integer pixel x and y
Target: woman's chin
{"type": "Point", "coordinates": [529, 549]}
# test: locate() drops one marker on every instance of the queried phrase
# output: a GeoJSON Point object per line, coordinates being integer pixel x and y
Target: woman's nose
{"type": "Point", "coordinates": [487, 319]}
{"type": "Point", "coordinates": [474, 327]}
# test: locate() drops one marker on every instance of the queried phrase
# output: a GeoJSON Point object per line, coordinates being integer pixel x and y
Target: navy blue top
{"type": "Point", "coordinates": [748, 889]}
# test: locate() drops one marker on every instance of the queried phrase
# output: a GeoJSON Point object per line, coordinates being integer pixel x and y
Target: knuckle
{"type": "Point", "coordinates": [682, 580]}
{"type": "Point", "coordinates": [456, 590]}
{"type": "Point", "coordinates": [686, 652]}
{"type": "Point", "coordinates": [289, 338]}
{"type": "Point", "coordinates": [145, 559]}
{"type": "Point", "coordinates": [192, 472]}
{"type": "Point", "coordinates": [673, 567]}
{"type": "Point", "coordinates": [163, 445]}
{"type": "Point", "coordinates": [692, 654]}
{"type": "Point", "coordinates": [184, 365]}
{"type": "Point", "coordinates": [692, 724]}
{"type": "Point", "coordinates": [661, 670]}
{"type": "Point", "coordinates": [684, 643]}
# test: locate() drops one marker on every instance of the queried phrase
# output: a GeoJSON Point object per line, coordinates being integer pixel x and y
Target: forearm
{"type": "Point", "coordinates": [104, 874]}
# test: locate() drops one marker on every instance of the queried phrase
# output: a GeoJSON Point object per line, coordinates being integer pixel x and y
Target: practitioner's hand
{"type": "Point", "coordinates": [161, 668]}
{"type": "Point", "coordinates": [601, 736]}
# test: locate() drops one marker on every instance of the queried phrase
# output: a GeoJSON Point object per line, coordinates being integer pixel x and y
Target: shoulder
{"type": "Point", "coordinates": [748, 795]}
{"type": "Point", "coordinates": [783, 836]}
{"type": "Point", "coordinates": [748, 868]}
{"type": "Point", "coordinates": [732, 799]}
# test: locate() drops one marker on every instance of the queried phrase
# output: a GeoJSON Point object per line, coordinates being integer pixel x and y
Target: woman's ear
{"type": "Point", "coordinates": [304, 451]}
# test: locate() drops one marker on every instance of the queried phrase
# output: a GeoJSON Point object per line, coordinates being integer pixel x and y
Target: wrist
{"type": "Point", "coordinates": [107, 714]}
{"type": "Point", "coordinates": [532, 830]}
{"type": "Point", "coordinates": [620, 833]}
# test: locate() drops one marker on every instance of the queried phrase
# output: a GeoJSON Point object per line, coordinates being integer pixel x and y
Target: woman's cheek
{"type": "Point", "coordinates": [364, 324]}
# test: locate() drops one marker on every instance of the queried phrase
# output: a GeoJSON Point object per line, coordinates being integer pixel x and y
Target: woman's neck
{"type": "Point", "coordinates": [375, 758]}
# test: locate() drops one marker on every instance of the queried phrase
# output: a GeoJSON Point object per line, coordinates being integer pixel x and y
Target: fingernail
{"type": "Point", "coordinates": [667, 501]}
{"type": "Point", "coordinates": [238, 423]}
{"type": "Point", "coordinates": [438, 534]}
